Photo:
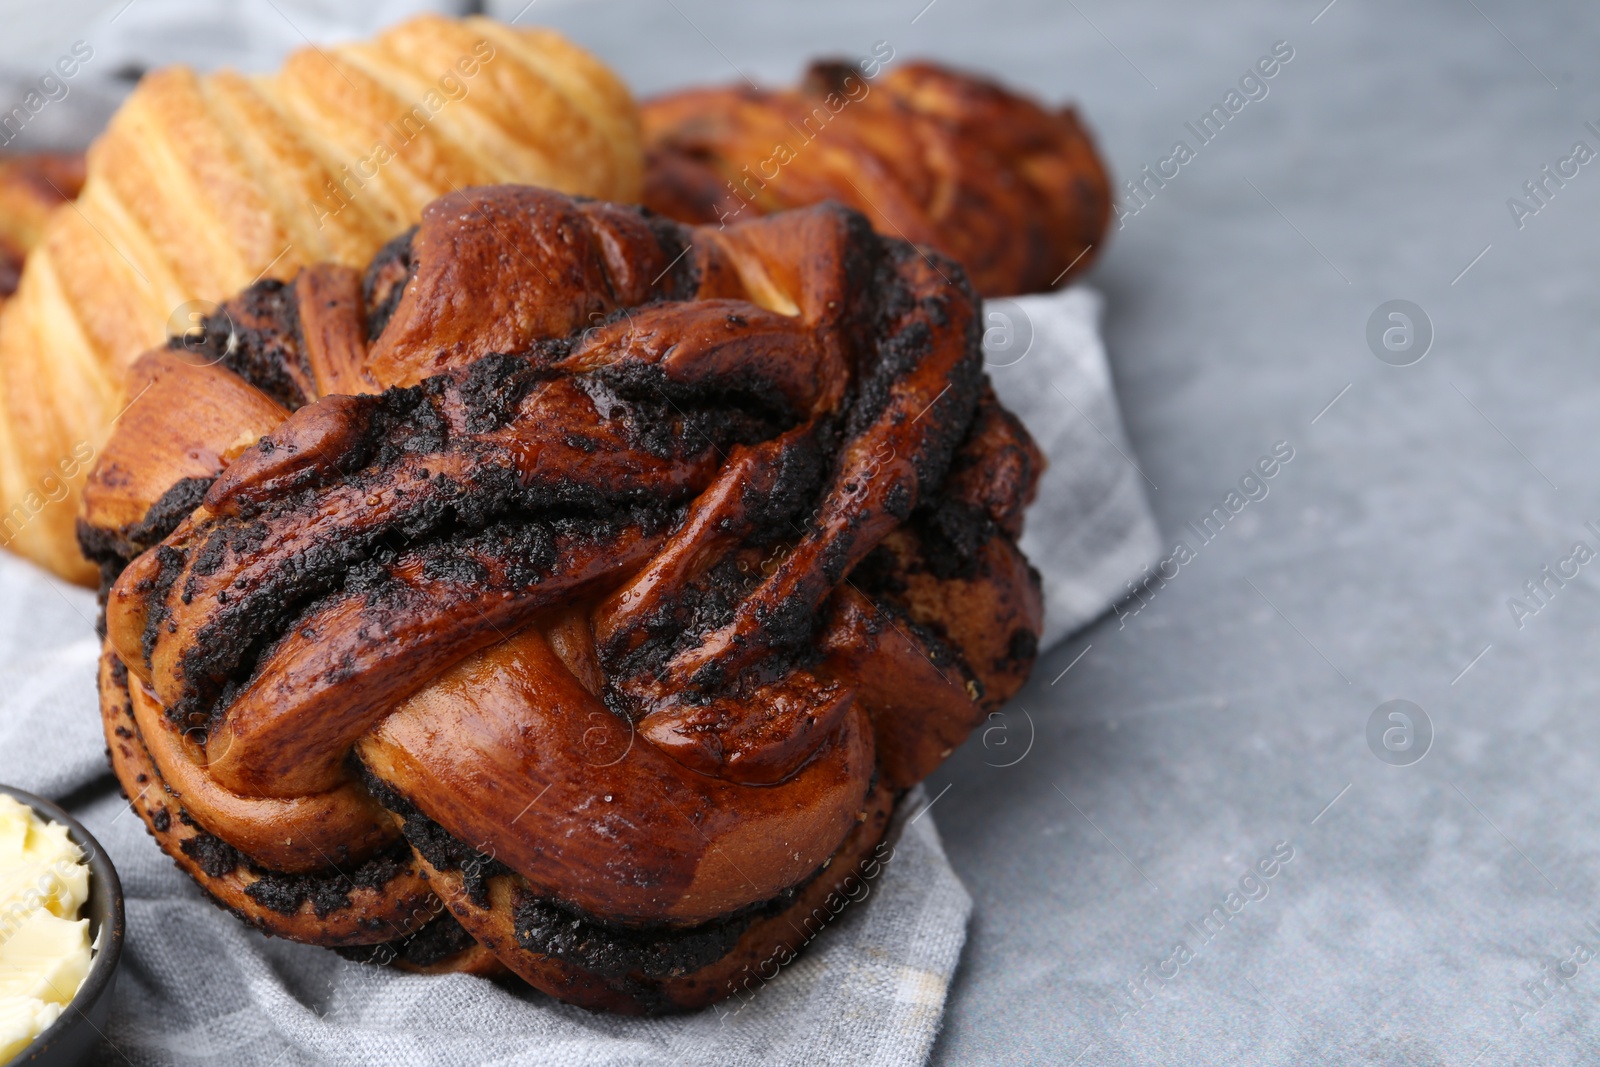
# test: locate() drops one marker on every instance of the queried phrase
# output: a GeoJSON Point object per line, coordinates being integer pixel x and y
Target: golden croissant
{"type": "Point", "coordinates": [572, 592]}
{"type": "Point", "coordinates": [1015, 192]}
{"type": "Point", "coordinates": [202, 185]}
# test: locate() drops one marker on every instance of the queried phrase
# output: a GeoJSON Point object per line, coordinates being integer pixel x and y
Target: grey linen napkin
{"type": "Point", "coordinates": [197, 986]}
{"type": "Point", "coordinates": [1089, 532]}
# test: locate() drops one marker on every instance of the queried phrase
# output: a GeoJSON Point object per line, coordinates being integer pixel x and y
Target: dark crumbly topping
{"type": "Point", "coordinates": [1021, 647]}
{"type": "Point", "coordinates": [110, 550]}
{"type": "Point", "coordinates": [166, 513]}
{"type": "Point", "coordinates": [683, 277]}
{"type": "Point", "coordinates": [171, 565]}
{"type": "Point", "coordinates": [257, 336]}
{"type": "Point", "coordinates": [440, 939]}
{"type": "Point", "coordinates": [328, 891]}
{"type": "Point", "coordinates": [385, 281]}
{"type": "Point", "coordinates": [435, 844]}
{"type": "Point", "coordinates": [952, 533]}
{"type": "Point", "coordinates": [702, 606]}
{"type": "Point", "coordinates": [212, 854]}
{"type": "Point", "coordinates": [610, 951]}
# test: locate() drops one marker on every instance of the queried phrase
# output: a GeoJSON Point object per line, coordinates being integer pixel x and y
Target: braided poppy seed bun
{"type": "Point", "coordinates": [1013, 191]}
{"type": "Point", "coordinates": [574, 592]}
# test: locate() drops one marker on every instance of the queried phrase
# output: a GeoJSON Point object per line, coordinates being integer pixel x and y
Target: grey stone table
{"type": "Point", "coordinates": [1432, 913]}
{"type": "Point", "coordinates": [1436, 911]}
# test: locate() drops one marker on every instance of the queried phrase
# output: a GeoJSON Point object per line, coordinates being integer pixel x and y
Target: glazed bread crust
{"type": "Point", "coordinates": [1011, 190]}
{"type": "Point", "coordinates": [603, 578]}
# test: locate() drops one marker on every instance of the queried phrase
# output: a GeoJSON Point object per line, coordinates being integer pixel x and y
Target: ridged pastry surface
{"type": "Point", "coordinates": [203, 184]}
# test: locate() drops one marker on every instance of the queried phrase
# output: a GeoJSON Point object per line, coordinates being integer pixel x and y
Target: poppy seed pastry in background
{"type": "Point", "coordinates": [203, 184]}
{"type": "Point", "coordinates": [1014, 192]}
{"type": "Point", "coordinates": [573, 592]}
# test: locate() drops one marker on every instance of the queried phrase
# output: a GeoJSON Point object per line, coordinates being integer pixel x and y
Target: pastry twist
{"type": "Point", "coordinates": [573, 593]}
{"type": "Point", "coordinates": [203, 184]}
{"type": "Point", "coordinates": [1014, 192]}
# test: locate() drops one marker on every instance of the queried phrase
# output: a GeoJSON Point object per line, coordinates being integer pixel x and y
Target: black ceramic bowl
{"type": "Point", "coordinates": [71, 1039]}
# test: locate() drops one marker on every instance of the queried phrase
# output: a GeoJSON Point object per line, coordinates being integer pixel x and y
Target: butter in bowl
{"type": "Point", "coordinates": [60, 933]}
